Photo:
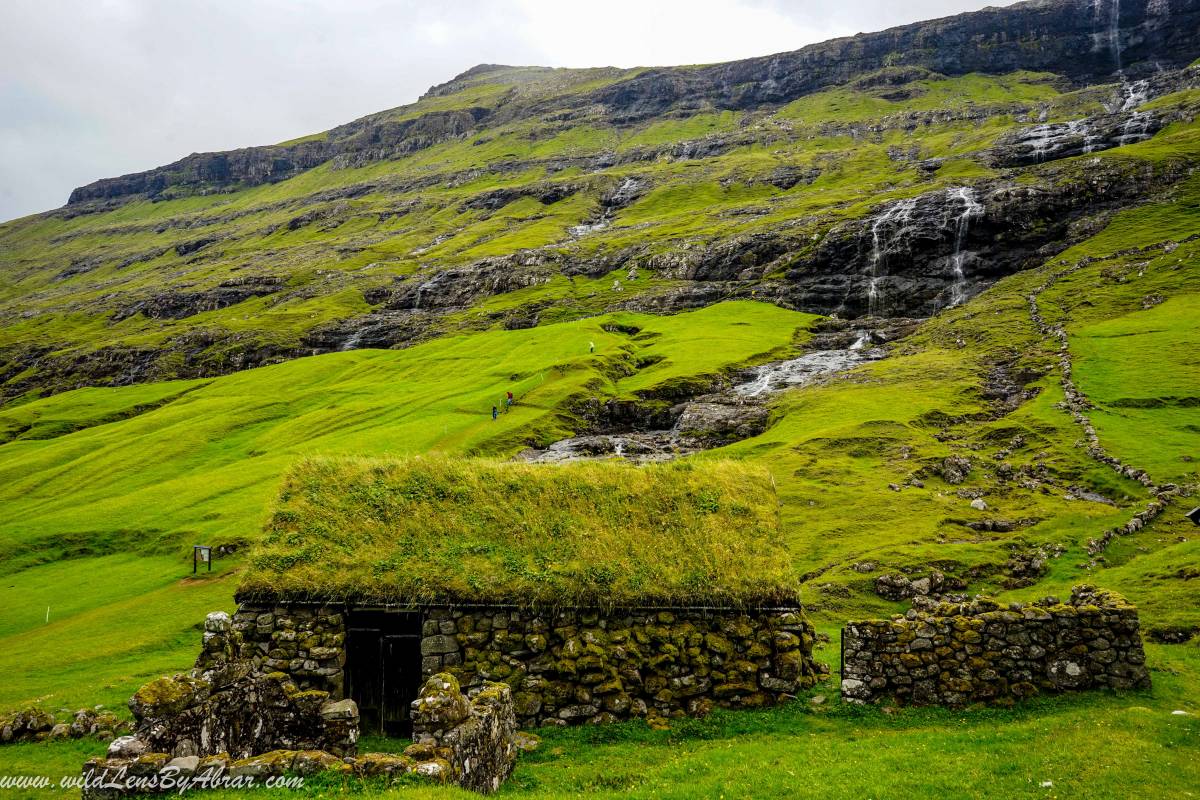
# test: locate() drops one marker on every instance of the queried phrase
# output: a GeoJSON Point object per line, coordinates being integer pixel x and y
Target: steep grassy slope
{"type": "Point", "coordinates": [600, 214]}
{"type": "Point", "coordinates": [200, 462]}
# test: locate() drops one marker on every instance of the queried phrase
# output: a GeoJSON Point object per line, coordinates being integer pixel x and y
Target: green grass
{"type": "Point", "coordinates": [413, 220]}
{"type": "Point", "coordinates": [114, 502]}
{"type": "Point", "coordinates": [1098, 745]}
{"type": "Point", "coordinates": [426, 530]}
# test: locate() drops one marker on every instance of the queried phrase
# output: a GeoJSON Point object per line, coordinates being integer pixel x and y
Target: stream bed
{"type": "Point", "coordinates": [711, 420]}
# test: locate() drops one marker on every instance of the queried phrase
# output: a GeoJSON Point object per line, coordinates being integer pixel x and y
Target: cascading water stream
{"type": "Point", "coordinates": [1107, 14]}
{"type": "Point", "coordinates": [1136, 127]}
{"type": "Point", "coordinates": [882, 237]}
{"type": "Point", "coordinates": [962, 226]}
{"type": "Point", "coordinates": [755, 385]}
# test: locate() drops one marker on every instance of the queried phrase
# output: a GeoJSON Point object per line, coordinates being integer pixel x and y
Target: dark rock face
{"type": "Point", "coordinates": [546, 194]}
{"type": "Point", "coordinates": [373, 138]}
{"type": "Point", "coordinates": [1079, 137]}
{"type": "Point", "coordinates": [463, 286]}
{"type": "Point", "coordinates": [722, 421]}
{"type": "Point", "coordinates": [916, 256]}
{"type": "Point", "coordinates": [1124, 123]}
{"type": "Point", "coordinates": [1079, 39]}
{"type": "Point", "coordinates": [179, 305]}
{"type": "Point", "coordinates": [380, 330]}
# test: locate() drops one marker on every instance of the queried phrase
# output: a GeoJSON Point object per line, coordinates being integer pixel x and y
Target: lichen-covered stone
{"type": "Point", "coordinates": [953, 654]}
{"type": "Point", "coordinates": [251, 714]}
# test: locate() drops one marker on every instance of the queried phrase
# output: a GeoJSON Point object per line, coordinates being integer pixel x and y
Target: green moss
{"type": "Point", "coordinates": [432, 530]}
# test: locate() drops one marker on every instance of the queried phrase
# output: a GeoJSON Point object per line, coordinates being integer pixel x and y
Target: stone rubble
{"type": "Point", "coordinates": [35, 724]}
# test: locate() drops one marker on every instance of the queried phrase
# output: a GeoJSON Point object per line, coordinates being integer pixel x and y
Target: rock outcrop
{"type": "Point", "coordinates": [178, 305]}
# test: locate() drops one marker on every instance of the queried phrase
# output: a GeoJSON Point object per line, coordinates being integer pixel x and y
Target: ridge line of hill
{"type": "Point", "coordinates": [1068, 37]}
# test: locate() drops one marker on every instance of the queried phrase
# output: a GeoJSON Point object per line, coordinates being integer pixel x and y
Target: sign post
{"type": "Point", "coordinates": [201, 554]}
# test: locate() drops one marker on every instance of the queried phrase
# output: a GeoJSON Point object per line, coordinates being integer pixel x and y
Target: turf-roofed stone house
{"type": "Point", "coordinates": [597, 591]}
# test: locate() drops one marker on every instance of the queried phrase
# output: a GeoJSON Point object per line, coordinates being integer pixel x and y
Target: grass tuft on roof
{"type": "Point", "coordinates": [433, 530]}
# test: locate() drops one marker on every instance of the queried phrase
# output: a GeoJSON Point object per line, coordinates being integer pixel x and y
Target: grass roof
{"type": "Point", "coordinates": [431, 530]}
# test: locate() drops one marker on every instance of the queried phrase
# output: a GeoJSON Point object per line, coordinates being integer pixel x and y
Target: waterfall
{"type": "Point", "coordinates": [1137, 124]}
{"type": "Point", "coordinates": [962, 225]}
{"type": "Point", "coordinates": [1107, 14]}
{"type": "Point", "coordinates": [898, 217]}
{"type": "Point", "coordinates": [1135, 94]}
{"type": "Point", "coordinates": [352, 342]}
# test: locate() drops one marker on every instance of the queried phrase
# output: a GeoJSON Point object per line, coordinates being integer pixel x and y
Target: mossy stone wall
{"type": "Point", "coordinates": [953, 654]}
{"type": "Point", "coordinates": [305, 642]}
{"type": "Point", "coordinates": [568, 666]}
{"type": "Point", "coordinates": [575, 666]}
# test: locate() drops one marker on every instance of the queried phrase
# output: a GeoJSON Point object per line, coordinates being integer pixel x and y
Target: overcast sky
{"type": "Point", "coordinates": [97, 88]}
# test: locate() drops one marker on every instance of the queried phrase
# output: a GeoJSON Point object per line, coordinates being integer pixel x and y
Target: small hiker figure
{"type": "Point", "coordinates": [509, 399]}
{"type": "Point", "coordinates": [591, 347]}
{"type": "Point", "coordinates": [495, 412]}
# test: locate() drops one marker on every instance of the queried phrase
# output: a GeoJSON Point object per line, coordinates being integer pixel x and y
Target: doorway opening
{"type": "Point", "coordinates": [383, 669]}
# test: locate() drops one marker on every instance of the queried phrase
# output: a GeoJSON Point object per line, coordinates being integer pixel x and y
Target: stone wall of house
{"type": "Point", "coordinates": [567, 666]}
{"type": "Point", "coordinates": [576, 666]}
{"type": "Point", "coordinates": [306, 642]}
{"type": "Point", "coordinates": [224, 705]}
{"type": "Point", "coordinates": [954, 654]}
{"type": "Point", "coordinates": [226, 725]}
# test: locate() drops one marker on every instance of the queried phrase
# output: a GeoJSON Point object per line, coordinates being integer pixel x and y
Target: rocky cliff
{"type": "Point", "coordinates": [1083, 41]}
{"type": "Point", "coordinates": [885, 175]}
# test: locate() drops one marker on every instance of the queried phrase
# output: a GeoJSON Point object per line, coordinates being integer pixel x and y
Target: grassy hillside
{"type": "Point", "coordinates": [158, 289]}
{"type": "Point", "coordinates": [114, 505]}
{"type": "Point", "coordinates": [164, 364]}
{"type": "Point", "coordinates": [115, 499]}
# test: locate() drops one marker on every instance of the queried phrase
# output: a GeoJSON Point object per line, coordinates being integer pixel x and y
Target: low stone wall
{"type": "Point", "coordinates": [37, 724]}
{"type": "Point", "coordinates": [470, 742]}
{"type": "Point", "coordinates": [955, 654]}
{"type": "Point", "coordinates": [569, 666]}
{"type": "Point", "coordinates": [577, 666]}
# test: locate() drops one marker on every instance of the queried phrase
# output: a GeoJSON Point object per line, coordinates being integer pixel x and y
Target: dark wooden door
{"type": "Point", "coordinates": [401, 682]}
{"type": "Point", "coordinates": [383, 669]}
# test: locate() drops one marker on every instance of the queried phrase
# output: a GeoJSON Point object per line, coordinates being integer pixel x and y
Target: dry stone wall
{"type": "Point", "coordinates": [469, 741]}
{"type": "Point", "coordinates": [955, 654]}
{"type": "Point", "coordinates": [568, 666]}
{"type": "Point", "coordinates": [575, 666]}
{"type": "Point", "coordinates": [305, 642]}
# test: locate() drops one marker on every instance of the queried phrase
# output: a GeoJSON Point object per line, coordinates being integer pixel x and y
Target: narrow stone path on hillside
{"type": "Point", "coordinates": [712, 420]}
{"type": "Point", "coordinates": [1077, 404]}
